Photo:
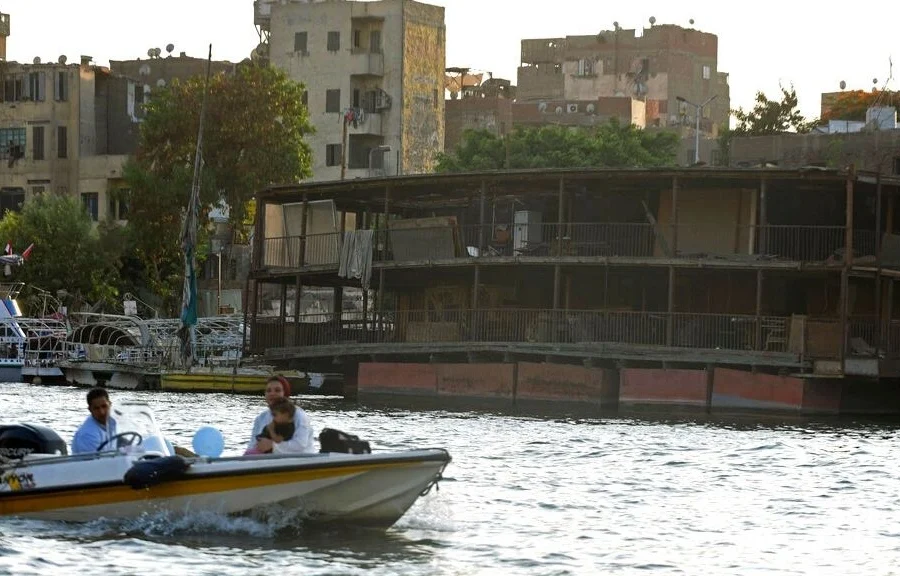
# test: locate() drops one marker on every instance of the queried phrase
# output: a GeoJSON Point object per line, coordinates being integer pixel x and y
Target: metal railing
{"type": "Point", "coordinates": [605, 239]}
{"type": "Point", "coordinates": [676, 330]}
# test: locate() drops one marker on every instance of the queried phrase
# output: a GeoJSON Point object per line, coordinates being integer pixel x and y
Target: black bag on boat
{"type": "Point", "coordinates": [153, 471]}
{"type": "Point", "coordinates": [331, 440]}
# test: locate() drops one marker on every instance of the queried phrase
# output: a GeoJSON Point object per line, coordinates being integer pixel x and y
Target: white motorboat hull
{"type": "Point", "coordinates": [367, 489]}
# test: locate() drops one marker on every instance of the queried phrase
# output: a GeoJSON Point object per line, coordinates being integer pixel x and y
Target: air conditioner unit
{"type": "Point", "coordinates": [382, 100]}
{"type": "Point", "coordinates": [572, 108]}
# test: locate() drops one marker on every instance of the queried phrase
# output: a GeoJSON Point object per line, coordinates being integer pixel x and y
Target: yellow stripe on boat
{"type": "Point", "coordinates": [24, 502]}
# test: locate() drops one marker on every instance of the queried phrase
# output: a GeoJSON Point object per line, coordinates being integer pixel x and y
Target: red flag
{"type": "Point", "coordinates": [27, 251]}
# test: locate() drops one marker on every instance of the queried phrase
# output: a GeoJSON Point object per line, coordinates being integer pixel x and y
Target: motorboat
{"type": "Point", "coordinates": [143, 474]}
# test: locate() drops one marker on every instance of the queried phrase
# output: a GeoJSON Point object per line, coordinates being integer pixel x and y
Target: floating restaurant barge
{"type": "Point", "coordinates": [714, 289]}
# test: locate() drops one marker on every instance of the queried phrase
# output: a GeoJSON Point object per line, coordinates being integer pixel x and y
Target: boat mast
{"type": "Point", "coordinates": [187, 333]}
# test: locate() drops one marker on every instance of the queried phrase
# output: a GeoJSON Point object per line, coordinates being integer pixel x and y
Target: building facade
{"type": "Point", "coordinates": [658, 65]}
{"type": "Point", "coordinates": [67, 129]}
{"type": "Point", "coordinates": [374, 74]}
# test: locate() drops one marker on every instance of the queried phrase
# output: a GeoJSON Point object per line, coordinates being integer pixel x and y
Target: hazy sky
{"type": "Point", "coordinates": [761, 43]}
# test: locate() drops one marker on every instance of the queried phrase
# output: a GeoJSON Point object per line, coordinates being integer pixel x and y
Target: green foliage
{"type": "Point", "coordinates": [853, 104]}
{"type": "Point", "coordinates": [253, 137]}
{"type": "Point", "coordinates": [611, 145]}
{"type": "Point", "coordinates": [771, 116]}
{"type": "Point", "coordinates": [69, 252]}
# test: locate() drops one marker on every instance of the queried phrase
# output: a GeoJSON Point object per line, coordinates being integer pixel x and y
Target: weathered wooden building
{"type": "Point", "coordinates": [706, 287]}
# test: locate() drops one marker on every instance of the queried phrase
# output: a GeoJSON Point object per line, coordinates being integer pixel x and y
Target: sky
{"type": "Point", "coordinates": [761, 44]}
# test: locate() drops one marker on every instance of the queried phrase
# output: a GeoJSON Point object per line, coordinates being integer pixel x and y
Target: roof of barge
{"type": "Point", "coordinates": [429, 187]}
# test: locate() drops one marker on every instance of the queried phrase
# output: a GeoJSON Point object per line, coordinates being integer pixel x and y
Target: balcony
{"type": "Point", "coordinates": [822, 245]}
{"type": "Point", "coordinates": [366, 64]}
{"type": "Point", "coordinates": [367, 124]}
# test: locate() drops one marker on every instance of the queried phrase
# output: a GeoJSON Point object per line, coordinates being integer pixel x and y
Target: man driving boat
{"type": "Point", "coordinates": [99, 427]}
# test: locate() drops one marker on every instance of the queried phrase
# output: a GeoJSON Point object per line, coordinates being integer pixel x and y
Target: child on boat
{"type": "Point", "coordinates": [281, 427]}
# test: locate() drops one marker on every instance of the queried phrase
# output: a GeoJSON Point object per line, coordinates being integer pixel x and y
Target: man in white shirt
{"type": "Point", "coordinates": [99, 427]}
{"type": "Point", "coordinates": [303, 440]}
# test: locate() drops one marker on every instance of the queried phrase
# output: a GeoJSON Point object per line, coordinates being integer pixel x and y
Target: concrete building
{"type": "Point", "coordinates": [67, 128]}
{"type": "Point", "coordinates": [657, 65]}
{"type": "Point", "coordinates": [158, 71]}
{"type": "Point", "coordinates": [374, 73]}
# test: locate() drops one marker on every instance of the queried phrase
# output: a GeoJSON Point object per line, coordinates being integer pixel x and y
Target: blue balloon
{"type": "Point", "coordinates": [208, 441]}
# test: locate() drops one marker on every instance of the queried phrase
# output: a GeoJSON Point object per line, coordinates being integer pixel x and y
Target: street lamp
{"type": "Point", "coordinates": [699, 108]}
{"type": "Point", "coordinates": [382, 149]}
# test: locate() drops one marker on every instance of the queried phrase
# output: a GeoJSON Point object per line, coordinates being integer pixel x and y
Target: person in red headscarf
{"type": "Point", "coordinates": [303, 439]}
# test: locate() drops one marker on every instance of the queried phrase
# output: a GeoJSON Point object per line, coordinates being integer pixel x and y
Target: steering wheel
{"type": "Point", "coordinates": [134, 438]}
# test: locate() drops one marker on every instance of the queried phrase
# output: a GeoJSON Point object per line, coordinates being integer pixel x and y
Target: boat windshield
{"type": "Point", "coordinates": [138, 417]}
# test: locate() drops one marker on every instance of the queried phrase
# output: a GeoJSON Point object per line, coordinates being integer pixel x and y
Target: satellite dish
{"type": "Point", "coordinates": [145, 70]}
{"type": "Point", "coordinates": [542, 107]}
{"type": "Point", "coordinates": [559, 109]}
{"type": "Point", "coordinates": [843, 84]}
{"type": "Point", "coordinates": [37, 60]}
{"type": "Point", "coordinates": [150, 52]}
{"type": "Point", "coordinates": [616, 25]}
{"type": "Point", "coordinates": [652, 20]}
{"type": "Point", "coordinates": [161, 82]}
{"type": "Point", "coordinates": [169, 48]}
{"type": "Point", "coordinates": [874, 80]}
{"type": "Point", "coordinates": [691, 21]}
{"type": "Point", "coordinates": [62, 59]}
{"type": "Point", "coordinates": [590, 108]}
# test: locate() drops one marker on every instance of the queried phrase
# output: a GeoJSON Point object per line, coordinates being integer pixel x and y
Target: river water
{"type": "Point", "coordinates": [523, 495]}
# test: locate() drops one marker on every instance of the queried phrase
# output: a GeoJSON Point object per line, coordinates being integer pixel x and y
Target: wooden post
{"type": "Point", "coordinates": [674, 217]}
{"type": "Point", "coordinates": [759, 286]}
{"type": "Point", "coordinates": [845, 271]}
{"type": "Point", "coordinates": [473, 321]}
{"type": "Point", "coordinates": [298, 290]}
{"type": "Point", "coordinates": [670, 318]}
{"type": "Point", "coordinates": [481, 216]}
{"type": "Point", "coordinates": [304, 216]}
{"type": "Point", "coordinates": [560, 220]}
{"type": "Point", "coordinates": [343, 146]}
{"type": "Point", "coordinates": [557, 273]}
{"type": "Point", "coordinates": [879, 334]}
{"type": "Point", "coordinates": [763, 219]}
{"type": "Point", "coordinates": [380, 303]}
{"type": "Point", "coordinates": [890, 313]}
{"type": "Point", "coordinates": [283, 331]}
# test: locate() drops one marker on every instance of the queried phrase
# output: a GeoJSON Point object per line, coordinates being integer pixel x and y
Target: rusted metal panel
{"type": "Point", "coordinates": [560, 382]}
{"type": "Point", "coordinates": [398, 377]}
{"type": "Point", "coordinates": [740, 389]}
{"type": "Point", "coordinates": [476, 380]}
{"type": "Point", "coordinates": [653, 386]}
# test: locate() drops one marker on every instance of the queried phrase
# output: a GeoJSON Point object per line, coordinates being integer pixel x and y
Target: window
{"type": "Point", "coordinates": [897, 166]}
{"type": "Point", "coordinates": [12, 143]}
{"type": "Point", "coordinates": [333, 101]}
{"type": "Point", "coordinates": [38, 190]}
{"type": "Point", "coordinates": [138, 100]}
{"type": "Point", "coordinates": [37, 86]}
{"type": "Point", "coordinates": [333, 155]}
{"type": "Point", "coordinates": [13, 89]}
{"type": "Point", "coordinates": [357, 39]}
{"type": "Point", "coordinates": [62, 142]}
{"type": "Point", "coordinates": [355, 103]}
{"type": "Point", "coordinates": [118, 203]}
{"type": "Point", "coordinates": [375, 41]}
{"type": "Point", "coordinates": [37, 142]}
{"type": "Point", "coordinates": [91, 204]}
{"type": "Point", "coordinates": [585, 67]}
{"type": "Point", "coordinates": [334, 41]}
{"type": "Point", "coordinates": [11, 199]}
{"type": "Point", "coordinates": [706, 72]}
{"type": "Point", "coordinates": [305, 98]}
{"type": "Point", "coordinates": [300, 42]}
{"type": "Point", "coordinates": [60, 87]}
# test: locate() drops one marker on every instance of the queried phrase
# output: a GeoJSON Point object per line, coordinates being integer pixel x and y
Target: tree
{"type": "Point", "coordinates": [853, 104]}
{"type": "Point", "coordinates": [610, 145]}
{"type": "Point", "coordinates": [771, 116]}
{"type": "Point", "coordinates": [69, 253]}
{"type": "Point", "coordinates": [253, 137]}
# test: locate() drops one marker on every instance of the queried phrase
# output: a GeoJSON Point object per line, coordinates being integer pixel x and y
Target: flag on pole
{"type": "Point", "coordinates": [27, 251]}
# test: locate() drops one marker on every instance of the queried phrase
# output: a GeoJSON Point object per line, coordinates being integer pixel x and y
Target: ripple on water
{"type": "Point", "coordinates": [522, 496]}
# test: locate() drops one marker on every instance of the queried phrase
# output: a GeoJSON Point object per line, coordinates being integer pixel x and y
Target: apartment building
{"type": "Point", "coordinates": [67, 129]}
{"type": "Point", "coordinates": [660, 65]}
{"type": "Point", "coordinates": [374, 73]}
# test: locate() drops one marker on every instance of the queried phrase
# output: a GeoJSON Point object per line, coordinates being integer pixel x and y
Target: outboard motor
{"type": "Point", "coordinates": [19, 440]}
{"type": "Point", "coordinates": [331, 440]}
